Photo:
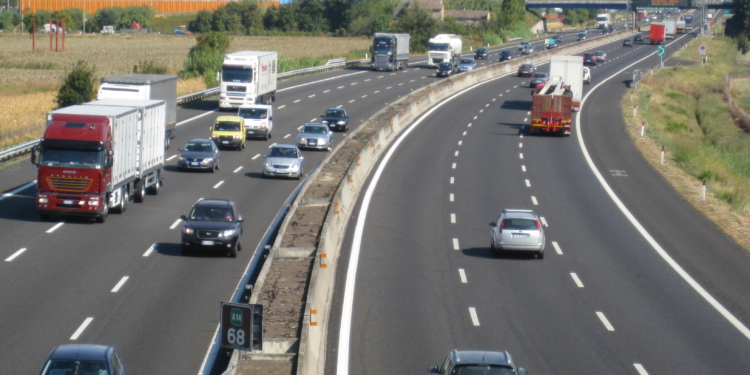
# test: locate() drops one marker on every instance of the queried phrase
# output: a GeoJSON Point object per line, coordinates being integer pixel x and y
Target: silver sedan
{"type": "Point", "coordinates": [284, 161]}
{"type": "Point", "coordinates": [316, 136]}
{"type": "Point", "coordinates": [518, 230]}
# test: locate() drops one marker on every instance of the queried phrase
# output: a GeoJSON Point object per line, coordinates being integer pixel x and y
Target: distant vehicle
{"type": "Point", "coordinates": [248, 77]}
{"type": "Point", "coordinates": [229, 132]}
{"type": "Point", "coordinates": [538, 78]}
{"type": "Point", "coordinates": [627, 42]}
{"type": "Point", "coordinates": [470, 362]}
{"type": "Point", "coordinates": [199, 154]}
{"type": "Point", "coordinates": [528, 50]}
{"type": "Point", "coordinates": [316, 136]}
{"type": "Point", "coordinates": [481, 53]}
{"type": "Point", "coordinates": [586, 75]}
{"type": "Point", "coordinates": [657, 33]}
{"type": "Point", "coordinates": [336, 119]}
{"type": "Point", "coordinates": [680, 27]}
{"type": "Point", "coordinates": [600, 56]}
{"type": "Point", "coordinates": [213, 224]}
{"type": "Point", "coordinates": [688, 18]}
{"type": "Point", "coordinates": [518, 230]}
{"type": "Point", "coordinates": [83, 359]}
{"type": "Point", "coordinates": [582, 35]}
{"type": "Point", "coordinates": [526, 70]}
{"type": "Point", "coordinates": [182, 30]}
{"type": "Point", "coordinates": [506, 55]}
{"type": "Point", "coordinates": [445, 69]}
{"type": "Point", "coordinates": [603, 20]}
{"type": "Point", "coordinates": [552, 108]}
{"type": "Point", "coordinates": [390, 51]}
{"type": "Point", "coordinates": [466, 64]}
{"type": "Point", "coordinates": [589, 58]}
{"type": "Point", "coordinates": [258, 120]}
{"type": "Point", "coordinates": [638, 38]}
{"type": "Point", "coordinates": [108, 30]}
{"type": "Point", "coordinates": [444, 47]}
{"type": "Point", "coordinates": [284, 161]}
{"type": "Point", "coordinates": [523, 45]}
{"type": "Point", "coordinates": [670, 28]}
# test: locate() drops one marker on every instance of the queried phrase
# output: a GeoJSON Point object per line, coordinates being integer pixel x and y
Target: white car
{"type": "Point", "coordinates": [586, 74]}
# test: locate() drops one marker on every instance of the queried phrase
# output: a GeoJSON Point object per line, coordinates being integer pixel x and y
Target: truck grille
{"type": "Point", "coordinates": [225, 138]}
{"type": "Point", "coordinates": [382, 59]}
{"type": "Point", "coordinates": [69, 184]}
{"type": "Point", "coordinates": [237, 88]}
{"type": "Point", "coordinates": [208, 234]}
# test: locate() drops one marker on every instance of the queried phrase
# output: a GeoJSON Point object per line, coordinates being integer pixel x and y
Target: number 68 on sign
{"type": "Point", "coordinates": [242, 326]}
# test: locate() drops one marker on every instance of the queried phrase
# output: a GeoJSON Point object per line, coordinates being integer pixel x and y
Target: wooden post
{"type": "Point", "coordinates": [33, 34]}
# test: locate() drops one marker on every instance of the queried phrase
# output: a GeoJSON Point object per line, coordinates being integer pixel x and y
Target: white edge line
{"type": "Point", "coordinates": [12, 193]}
{"type": "Point", "coordinates": [15, 255]}
{"type": "Point", "coordinates": [120, 284]}
{"type": "Point", "coordinates": [80, 329]}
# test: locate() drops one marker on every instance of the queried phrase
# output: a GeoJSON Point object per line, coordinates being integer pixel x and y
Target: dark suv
{"type": "Point", "coordinates": [481, 53]}
{"type": "Point", "coordinates": [506, 55]}
{"type": "Point", "coordinates": [213, 224]}
{"type": "Point", "coordinates": [83, 359]}
{"type": "Point", "coordinates": [477, 362]}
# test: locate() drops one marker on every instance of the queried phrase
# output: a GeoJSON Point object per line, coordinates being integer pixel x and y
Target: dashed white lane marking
{"type": "Point", "coordinates": [515, 87]}
{"type": "Point", "coordinates": [218, 184]}
{"type": "Point", "coordinates": [474, 319]}
{"type": "Point", "coordinates": [237, 170]}
{"type": "Point", "coordinates": [388, 88]}
{"type": "Point", "coordinates": [453, 218]}
{"type": "Point", "coordinates": [326, 91]}
{"type": "Point", "coordinates": [454, 166]}
{"type": "Point", "coordinates": [175, 224]}
{"type": "Point", "coordinates": [400, 83]}
{"type": "Point", "coordinates": [300, 127]}
{"type": "Point", "coordinates": [475, 117]}
{"type": "Point", "coordinates": [520, 155]}
{"type": "Point", "coordinates": [576, 279]}
{"type": "Point", "coordinates": [313, 119]}
{"type": "Point", "coordinates": [340, 87]}
{"type": "Point", "coordinates": [339, 106]}
{"type": "Point", "coordinates": [367, 80]}
{"type": "Point", "coordinates": [450, 198]}
{"type": "Point", "coordinates": [171, 157]}
{"type": "Point", "coordinates": [353, 83]}
{"type": "Point", "coordinates": [364, 96]}
{"type": "Point", "coordinates": [271, 145]}
{"type": "Point", "coordinates": [528, 183]}
{"type": "Point", "coordinates": [282, 106]}
{"type": "Point", "coordinates": [469, 125]}
{"type": "Point", "coordinates": [500, 95]}
{"type": "Point", "coordinates": [557, 247]}
{"type": "Point", "coordinates": [464, 133]}
{"type": "Point", "coordinates": [376, 92]}
{"type": "Point", "coordinates": [641, 370]}
{"type": "Point", "coordinates": [255, 157]}
{"type": "Point", "coordinates": [456, 154]}
{"type": "Point", "coordinates": [520, 145]}
{"type": "Point", "coordinates": [462, 275]}
{"type": "Point", "coordinates": [297, 101]}
{"type": "Point", "coordinates": [533, 200]}
{"type": "Point", "coordinates": [287, 136]}
{"type": "Point", "coordinates": [508, 90]}
{"type": "Point", "coordinates": [528, 113]}
{"type": "Point", "coordinates": [153, 247]}
{"type": "Point", "coordinates": [493, 99]}
{"type": "Point", "coordinates": [380, 77]}
{"type": "Point", "coordinates": [80, 329]}
{"type": "Point", "coordinates": [481, 110]}
{"type": "Point", "coordinates": [523, 168]}
{"type": "Point", "coordinates": [311, 96]}
{"type": "Point", "coordinates": [452, 180]}
{"type": "Point", "coordinates": [15, 255]}
{"type": "Point", "coordinates": [605, 321]}
{"type": "Point", "coordinates": [120, 284]}
{"type": "Point", "coordinates": [460, 142]}
{"type": "Point", "coordinates": [525, 119]}
{"type": "Point", "coordinates": [487, 105]}
{"type": "Point", "coordinates": [412, 80]}
{"type": "Point", "coordinates": [544, 221]}
{"type": "Point", "coordinates": [351, 101]}
{"type": "Point", "coordinates": [455, 244]}
{"type": "Point", "coordinates": [58, 225]}
{"type": "Point", "coordinates": [520, 135]}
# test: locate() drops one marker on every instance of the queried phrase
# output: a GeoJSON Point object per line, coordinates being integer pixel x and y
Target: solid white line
{"type": "Point", "coordinates": [297, 101]}
{"type": "Point", "coordinates": [174, 225]}
{"type": "Point", "coordinates": [287, 136]}
{"type": "Point", "coordinates": [528, 183]}
{"type": "Point", "coordinates": [451, 197]}
{"type": "Point", "coordinates": [474, 319]}
{"type": "Point", "coordinates": [455, 244]}
{"type": "Point", "coordinates": [152, 247]}
{"type": "Point", "coordinates": [11, 193]}
{"type": "Point", "coordinates": [640, 369]}
{"type": "Point", "coordinates": [81, 328]}
{"type": "Point", "coordinates": [452, 180]}
{"type": "Point", "coordinates": [197, 117]}
{"type": "Point", "coordinates": [557, 247]}
{"type": "Point", "coordinates": [533, 200]}
{"type": "Point", "coordinates": [218, 184]}
{"type": "Point", "coordinates": [16, 254]}
{"type": "Point", "coordinates": [523, 168]}
{"type": "Point", "coordinates": [171, 157]}
{"type": "Point", "coordinates": [655, 245]}
{"type": "Point", "coordinates": [576, 279]}
{"type": "Point", "coordinates": [605, 321]}
{"type": "Point", "coordinates": [453, 218]}
{"type": "Point", "coordinates": [255, 157]}
{"type": "Point", "coordinates": [462, 275]}
{"type": "Point", "coordinates": [120, 284]}
{"type": "Point", "coordinates": [237, 170]}
{"type": "Point", "coordinates": [58, 225]}
{"type": "Point", "coordinates": [456, 154]}
{"type": "Point", "coordinates": [520, 155]}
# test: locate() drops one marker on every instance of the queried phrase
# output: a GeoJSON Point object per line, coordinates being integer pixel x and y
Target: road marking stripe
{"type": "Point", "coordinates": [525, 119]}
{"type": "Point", "coordinates": [533, 200]}
{"type": "Point", "coordinates": [287, 136]}
{"type": "Point", "coordinates": [528, 113]}
{"type": "Point", "coordinates": [400, 83]}
{"type": "Point", "coordinates": [15, 255]}
{"type": "Point", "coordinates": [481, 110]}
{"type": "Point", "coordinates": [388, 88]}
{"type": "Point", "coordinates": [475, 117]}
{"type": "Point", "coordinates": [523, 168]}
{"type": "Point", "coordinates": [460, 142]}
{"type": "Point", "coordinates": [520, 155]}
{"type": "Point", "coordinates": [508, 90]}
{"type": "Point", "coordinates": [120, 284]}
{"type": "Point", "coordinates": [576, 279]}
{"type": "Point", "coordinates": [493, 99]}
{"type": "Point", "coordinates": [311, 96]}
{"type": "Point", "coordinates": [297, 101]}
{"type": "Point", "coordinates": [353, 83]}
{"type": "Point", "coordinates": [218, 184]}
{"type": "Point", "coordinates": [557, 247]}
{"type": "Point", "coordinates": [80, 329]}
{"type": "Point", "coordinates": [487, 105]}
{"type": "Point", "coordinates": [451, 197]}
{"type": "Point", "coordinates": [462, 275]}
{"type": "Point", "coordinates": [520, 135]}
{"type": "Point", "coordinates": [520, 145]}
{"type": "Point", "coordinates": [464, 133]}
{"type": "Point", "coordinates": [153, 247]}
{"type": "Point", "coordinates": [237, 170]}
{"type": "Point", "coordinates": [255, 157]}
{"type": "Point", "coordinates": [455, 244]}
{"type": "Point", "coordinates": [528, 183]}
{"type": "Point", "coordinates": [452, 180]}
{"type": "Point", "coordinates": [281, 106]}
{"type": "Point", "coordinates": [174, 225]}
{"type": "Point", "coordinates": [605, 321]}
{"type": "Point", "coordinates": [515, 87]}
{"type": "Point", "coordinates": [171, 157]}
{"type": "Point", "coordinates": [474, 318]}
{"type": "Point", "coordinates": [58, 225]}
{"type": "Point", "coordinates": [364, 96]}
{"type": "Point", "coordinates": [412, 80]}
{"type": "Point", "coordinates": [456, 154]}
{"type": "Point", "coordinates": [326, 91]}
{"type": "Point", "coordinates": [340, 87]}
{"type": "Point", "coordinates": [469, 125]}
{"type": "Point", "coordinates": [454, 166]}
{"type": "Point", "coordinates": [453, 218]}
{"type": "Point", "coordinates": [640, 369]}
{"type": "Point", "coordinates": [367, 80]}
{"type": "Point", "coordinates": [351, 101]}
{"type": "Point", "coordinates": [339, 106]}
{"type": "Point", "coordinates": [376, 92]}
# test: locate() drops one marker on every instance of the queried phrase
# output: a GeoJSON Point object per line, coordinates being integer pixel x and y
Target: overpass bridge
{"type": "Point", "coordinates": [623, 4]}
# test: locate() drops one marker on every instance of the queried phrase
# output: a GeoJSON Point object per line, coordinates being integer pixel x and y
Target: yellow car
{"type": "Point", "coordinates": [229, 131]}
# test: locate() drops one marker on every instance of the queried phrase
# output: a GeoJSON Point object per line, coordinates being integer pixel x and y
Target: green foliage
{"type": "Point", "coordinates": [311, 16]}
{"type": "Point", "coordinates": [149, 67]}
{"type": "Point", "coordinates": [742, 44]}
{"type": "Point", "coordinates": [369, 17]}
{"type": "Point", "coordinates": [740, 22]}
{"type": "Point", "coordinates": [8, 20]}
{"type": "Point", "coordinates": [674, 126]}
{"type": "Point", "coordinates": [512, 12]}
{"type": "Point", "coordinates": [206, 56]}
{"type": "Point", "coordinates": [201, 23]}
{"type": "Point", "coordinates": [120, 17]}
{"type": "Point", "coordinates": [212, 41]}
{"type": "Point", "coordinates": [491, 39]}
{"type": "Point", "coordinates": [167, 23]}
{"type": "Point", "coordinates": [420, 25]}
{"type": "Point", "coordinates": [78, 86]}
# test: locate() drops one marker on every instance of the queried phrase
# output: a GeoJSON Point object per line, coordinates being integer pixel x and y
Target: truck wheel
{"type": "Point", "coordinates": [103, 217]}
{"type": "Point", "coordinates": [123, 201]}
{"type": "Point", "coordinates": [166, 141]}
{"type": "Point", "coordinates": [154, 189]}
{"type": "Point", "coordinates": [140, 191]}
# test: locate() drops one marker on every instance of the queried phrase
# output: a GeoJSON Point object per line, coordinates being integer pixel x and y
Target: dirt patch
{"type": "Point", "coordinates": [304, 227]}
{"type": "Point", "coordinates": [282, 297]}
{"type": "Point", "coordinates": [255, 367]}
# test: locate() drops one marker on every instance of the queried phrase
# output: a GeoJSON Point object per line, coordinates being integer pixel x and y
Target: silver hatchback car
{"type": "Point", "coordinates": [316, 136]}
{"type": "Point", "coordinates": [518, 230]}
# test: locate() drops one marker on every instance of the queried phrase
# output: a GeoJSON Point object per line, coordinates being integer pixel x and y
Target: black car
{"type": "Point", "coordinates": [336, 119]}
{"type": "Point", "coordinates": [199, 154]}
{"type": "Point", "coordinates": [213, 224]}
{"type": "Point", "coordinates": [605, 31]}
{"type": "Point", "coordinates": [481, 53]}
{"type": "Point", "coordinates": [506, 55]}
{"type": "Point", "coordinates": [638, 38]}
{"type": "Point", "coordinates": [82, 359]}
{"type": "Point", "coordinates": [445, 69]}
{"type": "Point", "coordinates": [478, 362]}
{"type": "Point", "coordinates": [627, 43]}
{"type": "Point", "coordinates": [589, 58]}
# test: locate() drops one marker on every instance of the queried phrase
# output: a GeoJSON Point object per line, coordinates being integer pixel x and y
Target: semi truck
{"type": "Point", "coordinates": [390, 51]}
{"type": "Point", "coordinates": [248, 77]}
{"type": "Point", "coordinates": [444, 48]}
{"type": "Point", "coordinates": [136, 86]}
{"type": "Point", "coordinates": [670, 28]}
{"type": "Point", "coordinates": [642, 13]}
{"type": "Point", "coordinates": [569, 69]}
{"type": "Point", "coordinates": [688, 18]}
{"type": "Point", "coordinates": [551, 109]}
{"type": "Point", "coordinates": [680, 27]}
{"type": "Point", "coordinates": [657, 33]}
{"type": "Point", "coordinates": [95, 157]}
{"type": "Point", "coordinates": [602, 20]}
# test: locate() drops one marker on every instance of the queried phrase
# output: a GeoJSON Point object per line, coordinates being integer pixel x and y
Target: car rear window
{"type": "Point", "coordinates": [482, 369]}
{"type": "Point", "coordinates": [519, 224]}
{"type": "Point", "coordinates": [540, 75]}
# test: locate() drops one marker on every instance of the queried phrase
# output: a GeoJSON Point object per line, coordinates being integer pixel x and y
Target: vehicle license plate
{"type": "Point", "coordinates": [193, 163]}
{"type": "Point", "coordinates": [207, 243]}
{"type": "Point", "coordinates": [251, 132]}
{"type": "Point", "coordinates": [225, 142]}
{"type": "Point", "coordinates": [520, 236]}
{"type": "Point", "coordinates": [67, 202]}
{"type": "Point", "coordinates": [312, 143]}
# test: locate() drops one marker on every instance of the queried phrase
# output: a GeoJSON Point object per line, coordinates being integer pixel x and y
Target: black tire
{"type": "Point", "coordinates": [140, 192]}
{"type": "Point", "coordinates": [154, 189]}
{"type": "Point", "coordinates": [45, 217]}
{"type": "Point", "coordinates": [269, 135]}
{"type": "Point", "coordinates": [123, 203]}
{"type": "Point", "coordinates": [103, 217]}
{"type": "Point", "coordinates": [540, 255]}
{"type": "Point", "coordinates": [217, 164]}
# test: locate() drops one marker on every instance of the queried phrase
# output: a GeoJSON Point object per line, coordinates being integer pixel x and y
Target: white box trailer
{"type": "Point", "coordinates": [670, 28]}
{"type": "Point", "coordinates": [248, 77]}
{"type": "Point", "coordinates": [570, 71]}
{"type": "Point", "coordinates": [444, 48]}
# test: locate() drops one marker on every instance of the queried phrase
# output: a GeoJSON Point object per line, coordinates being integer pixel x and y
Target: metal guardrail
{"type": "Point", "coordinates": [514, 39]}
{"type": "Point", "coordinates": [333, 64]}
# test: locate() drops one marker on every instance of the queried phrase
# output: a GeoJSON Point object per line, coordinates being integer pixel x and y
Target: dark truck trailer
{"type": "Point", "coordinates": [390, 51]}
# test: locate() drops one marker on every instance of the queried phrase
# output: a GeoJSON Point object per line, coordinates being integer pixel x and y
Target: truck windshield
{"type": "Point", "coordinates": [254, 113]}
{"type": "Point", "coordinates": [62, 158]}
{"type": "Point", "coordinates": [600, 19]}
{"type": "Point", "coordinates": [438, 47]}
{"type": "Point", "coordinates": [382, 49]}
{"type": "Point", "coordinates": [236, 74]}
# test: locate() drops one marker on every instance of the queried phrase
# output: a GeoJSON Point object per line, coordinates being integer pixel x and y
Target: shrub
{"type": "Point", "coordinates": [149, 67]}
{"type": "Point", "coordinates": [78, 86]}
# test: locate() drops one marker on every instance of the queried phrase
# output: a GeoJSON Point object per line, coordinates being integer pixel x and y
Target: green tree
{"type": "Point", "coordinates": [226, 21]}
{"type": "Point", "coordinates": [742, 43]}
{"type": "Point", "coordinates": [206, 56]}
{"type": "Point", "coordinates": [420, 25]}
{"type": "Point", "coordinates": [740, 22]}
{"type": "Point", "coordinates": [311, 16]}
{"type": "Point", "coordinates": [201, 23]}
{"type": "Point", "coordinates": [336, 12]}
{"type": "Point", "coordinates": [107, 16]}
{"type": "Point", "coordinates": [78, 86]}
{"type": "Point", "coordinates": [512, 12]}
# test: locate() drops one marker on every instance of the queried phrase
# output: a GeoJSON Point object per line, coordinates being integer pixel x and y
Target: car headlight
{"type": "Point", "coordinates": [294, 166]}
{"type": "Point", "coordinates": [187, 230]}
{"type": "Point", "coordinates": [228, 233]}
{"type": "Point", "coordinates": [262, 125]}
{"type": "Point", "coordinates": [324, 121]}
{"type": "Point", "coordinates": [207, 160]}
{"type": "Point", "coordinates": [341, 122]}
{"type": "Point", "coordinates": [43, 200]}
{"type": "Point", "coordinates": [268, 164]}
{"type": "Point", "coordinates": [302, 139]}
{"type": "Point", "coordinates": [182, 158]}
{"type": "Point", "coordinates": [237, 137]}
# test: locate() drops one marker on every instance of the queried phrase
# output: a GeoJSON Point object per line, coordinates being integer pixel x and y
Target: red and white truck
{"type": "Point", "coordinates": [95, 157]}
{"type": "Point", "coordinates": [657, 33]}
{"type": "Point", "coordinates": [552, 109]}
{"type": "Point", "coordinates": [569, 69]}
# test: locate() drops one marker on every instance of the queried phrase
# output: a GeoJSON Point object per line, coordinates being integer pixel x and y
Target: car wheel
{"type": "Point", "coordinates": [217, 164]}
{"type": "Point", "coordinates": [540, 255]}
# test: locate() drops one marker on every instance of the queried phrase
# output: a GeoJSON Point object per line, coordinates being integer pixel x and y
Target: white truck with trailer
{"type": "Point", "coordinates": [569, 69]}
{"type": "Point", "coordinates": [444, 48]}
{"type": "Point", "coordinates": [670, 28]}
{"type": "Point", "coordinates": [603, 20]}
{"type": "Point", "coordinates": [248, 77]}
{"type": "Point", "coordinates": [137, 86]}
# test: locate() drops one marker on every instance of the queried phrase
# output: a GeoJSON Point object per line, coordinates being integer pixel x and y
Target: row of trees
{"type": "Point", "coordinates": [117, 16]}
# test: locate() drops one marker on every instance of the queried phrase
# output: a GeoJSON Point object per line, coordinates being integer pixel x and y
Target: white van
{"type": "Point", "coordinates": [258, 120]}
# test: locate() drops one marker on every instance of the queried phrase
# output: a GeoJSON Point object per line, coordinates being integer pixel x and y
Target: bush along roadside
{"type": "Point", "coordinates": [685, 111]}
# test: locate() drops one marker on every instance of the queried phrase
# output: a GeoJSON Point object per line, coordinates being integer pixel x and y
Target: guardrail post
{"type": "Point", "coordinates": [703, 191]}
{"type": "Point", "coordinates": [643, 128]}
{"type": "Point", "coordinates": [662, 155]}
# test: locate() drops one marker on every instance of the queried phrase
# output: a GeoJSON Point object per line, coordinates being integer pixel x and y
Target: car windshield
{"type": "Point", "coordinates": [79, 158]}
{"type": "Point", "coordinates": [599, 53]}
{"type": "Point", "coordinates": [315, 130]}
{"type": "Point", "coordinates": [482, 370]}
{"type": "Point", "coordinates": [446, 65]}
{"type": "Point", "coordinates": [466, 61]}
{"type": "Point", "coordinates": [254, 113]}
{"type": "Point", "coordinates": [540, 75]}
{"type": "Point", "coordinates": [505, 53]}
{"type": "Point", "coordinates": [334, 113]}
{"type": "Point", "coordinates": [198, 147]}
{"type": "Point", "coordinates": [236, 74]}
{"type": "Point", "coordinates": [481, 50]}
{"type": "Point", "coordinates": [282, 152]}
{"type": "Point", "coordinates": [519, 224]}
{"type": "Point", "coordinates": [221, 214]}
{"type": "Point", "coordinates": [527, 66]}
{"type": "Point", "coordinates": [227, 126]}
{"type": "Point", "coordinates": [69, 366]}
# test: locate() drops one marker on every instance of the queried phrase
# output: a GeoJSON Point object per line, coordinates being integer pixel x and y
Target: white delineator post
{"type": "Point", "coordinates": [703, 191]}
{"type": "Point", "coordinates": [643, 127]}
{"type": "Point", "coordinates": [634, 111]}
{"type": "Point", "coordinates": [662, 155]}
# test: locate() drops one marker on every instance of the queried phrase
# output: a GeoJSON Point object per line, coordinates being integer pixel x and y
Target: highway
{"type": "Point", "coordinates": [604, 300]}
{"type": "Point", "coordinates": [125, 283]}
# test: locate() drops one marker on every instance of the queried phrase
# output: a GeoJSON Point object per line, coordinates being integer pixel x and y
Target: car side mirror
{"type": "Point", "coordinates": [432, 369]}
{"type": "Point", "coordinates": [522, 371]}
{"type": "Point", "coordinates": [108, 161]}
{"type": "Point", "coordinates": [183, 217]}
{"type": "Point", "coordinates": [270, 118]}
{"type": "Point", "coordinates": [241, 219]}
{"type": "Point", "coordinates": [33, 155]}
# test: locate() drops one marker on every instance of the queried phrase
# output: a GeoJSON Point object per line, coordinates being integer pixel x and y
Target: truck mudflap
{"type": "Point", "coordinates": [576, 106]}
